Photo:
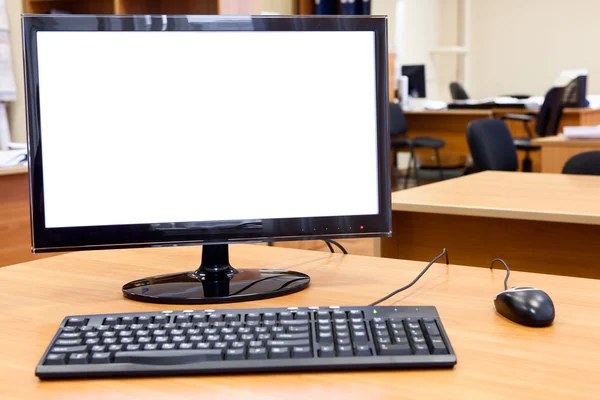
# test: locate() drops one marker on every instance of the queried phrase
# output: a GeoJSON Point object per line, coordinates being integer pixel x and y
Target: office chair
{"type": "Point", "coordinates": [399, 140]}
{"type": "Point", "coordinates": [547, 121]}
{"type": "Point", "coordinates": [458, 92]}
{"type": "Point", "coordinates": [587, 163]}
{"type": "Point", "coordinates": [491, 145]}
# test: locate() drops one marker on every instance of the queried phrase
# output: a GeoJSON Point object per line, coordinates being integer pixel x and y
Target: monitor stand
{"type": "Point", "coordinates": [216, 282]}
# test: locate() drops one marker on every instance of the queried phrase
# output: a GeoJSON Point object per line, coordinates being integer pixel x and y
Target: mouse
{"type": "Point", "coordinates": [526, 306]}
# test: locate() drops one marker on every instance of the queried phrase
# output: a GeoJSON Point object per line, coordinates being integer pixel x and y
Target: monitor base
{"type": "Point", "coordinates": [216, 282]}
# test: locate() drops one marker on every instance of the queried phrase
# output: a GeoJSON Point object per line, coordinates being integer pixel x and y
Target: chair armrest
{"type": "Point", "coordinates": [518, 117]}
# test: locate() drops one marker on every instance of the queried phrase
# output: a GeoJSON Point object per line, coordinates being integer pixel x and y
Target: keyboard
{"type": "Point", "coordinates": [247, 340]}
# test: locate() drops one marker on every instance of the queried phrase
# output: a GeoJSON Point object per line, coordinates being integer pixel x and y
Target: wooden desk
{"type": "Point", "coordinates": [451, 126]}
{"type": "Point", "coordinates": [496, 358]}
{"type": "Point", "coordinates": [556, 150]}
{"type": "Point", "coordinates": [537, 222]}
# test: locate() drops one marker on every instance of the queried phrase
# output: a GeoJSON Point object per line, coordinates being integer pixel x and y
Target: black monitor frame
{"type": "Point", "coordinates": [193, 232]}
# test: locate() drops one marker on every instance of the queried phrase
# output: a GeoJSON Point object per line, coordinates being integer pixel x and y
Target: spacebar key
{"type": "Point", "coordinates": [168, 357]}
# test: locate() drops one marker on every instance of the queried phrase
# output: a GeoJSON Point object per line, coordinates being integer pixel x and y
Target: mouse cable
{"type": "Point", "coordinates": [395, 292]}
{"type": "Point", "coordinates": [507, 270]}
{"type": "Point", "coordinates": [330, 242]}
{"type": "Point", "coordinates": [329, 245]}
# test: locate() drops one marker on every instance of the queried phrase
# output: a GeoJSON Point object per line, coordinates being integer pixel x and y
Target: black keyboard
{"type": "Point", "coordinates": [247, 340]}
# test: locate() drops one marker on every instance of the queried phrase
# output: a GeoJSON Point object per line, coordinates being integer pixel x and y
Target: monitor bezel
{"type": "Point", "coordinates": [192, 233]}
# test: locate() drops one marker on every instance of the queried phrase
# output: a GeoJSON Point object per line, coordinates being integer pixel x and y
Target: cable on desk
{"type": "Point", "coordinates": [507, 270]}
{"type": "Point", "coordinates": [330, 242]}
{"type": "Point", "coordinates": [395, 292]}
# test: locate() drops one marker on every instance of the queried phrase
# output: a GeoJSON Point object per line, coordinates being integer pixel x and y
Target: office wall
{"type": "Point", "coordinates": [521, 45]}
{"type": "Point", "coordinates": [16, 110]}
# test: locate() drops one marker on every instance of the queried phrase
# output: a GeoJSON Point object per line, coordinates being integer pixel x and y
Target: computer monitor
{"type": "Point", "coordinates": [575, 83]}
{"type": "Point", "coordinates": [213, 130]}
{"type": "Point", "coordinates": [416, 80]}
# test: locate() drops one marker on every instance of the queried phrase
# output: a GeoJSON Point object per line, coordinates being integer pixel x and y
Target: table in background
{"type": "Point", "coordinates": [496, 358]}
{"type": "Point", "coordinates": [556, 150]}
{"type": "Point", "coordinates": [451, 126]}
{"type": "Point", "coordinates": [545, 223]}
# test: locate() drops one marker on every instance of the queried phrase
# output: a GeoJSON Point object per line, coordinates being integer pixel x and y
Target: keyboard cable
{"type": "Point", "coordinates": [395, 292]}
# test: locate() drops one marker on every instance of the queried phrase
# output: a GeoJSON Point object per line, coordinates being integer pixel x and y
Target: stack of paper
{"type": "Point", "coordinates": [582, 132]}
{"type": "Point", "coordinates": [8, 158]}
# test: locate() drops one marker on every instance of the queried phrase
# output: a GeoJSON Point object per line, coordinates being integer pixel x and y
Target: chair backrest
{"type": "Point", "coordinates": [550, 113]}
{"type": "Point", "coordinates": [397, 120]}
{"type": "Point", "coordinates": [491, 145]}
{"type": "Point", "coordinates": [458, 92]}
{"type": "Point", "coordinates": [587, 163]}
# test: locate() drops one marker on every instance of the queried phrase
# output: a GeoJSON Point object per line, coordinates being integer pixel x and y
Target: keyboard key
{"type": "Point", "coordinates": [87, 328]}
{"type": "Point", "coordinates": [291, 336]}
{"type": "Point", "coordinates": [238, 345]}
{"type": "Point", "coordinates": [203, 346]}
{"type": "Point", "coordinates": [257, 353]}
{"type": "Point", "coordinates": [432, 329]}
{"type": "Point", "coordinates": [215, 318]}
{"type": "Point", "coordinates": [295, 329]}
{"type": "Point", "coordinates": [72, 335]}
{"type": "Point", "coordinates": [344, 351]}
{"type": "Point", "coordinates": [161, 339]}
{"type": "Point", "coordinates": [98, 349]}
{"type": "Point", "coordinates": [103, 328]}
{"type": "Point", "coordinates": [55, 359]}
{"type": "Point", "coordinates": [413, 325]}
{"type": "Point", "coordinates": [279, 352]}
{"type": "Point", "coordinates": [198, 318]}
{"type": "Point", "coordinates": [256, 343]}
{"type": "Point", "coordinates": [362, 350]}
{"type": "Point", "coordinates": [77, 321]}
{"type": "Point", "coordinates": [168, 346]}
{"type": "Point", "coordinates": [68, 342]}
{"type": "Point", "coordinates": [78, 358]}
{"type": "Point", "coordinates": [108, 340]}
{"type": "Point", "coordinates": [343, 342]}
{"type": "Point", "coordinates": [276, 329]}
{"type": "Point", "coordinates": [132, 347]}
{"type": "Point", "coordinates": [437, 346]}
{"type": "Point", "coordinates": [394, 349]}
{"type": "Point", "coordinates": [325, 337]}
{"type": "Point", "coordinates": [421, 349]}
{"type": "Point", "coordinates": [120, 327]}
{"type": "Point", "coordinates": [100, 358]}
{"type": "Point", "coordinates": [168, 357]}
{"type": "Point", "coordinates": [356, 314]}
{"type": "Point", "coordinates": [69, 349]}
{"type": "Point", "coordinates": [269, 316]}
{"type": "Point", "coordinates": [232, 317]}
{"type": "Point", "coordinates": [144, 340]}
{"type": "Point", "coordinates": [150, 346]}
{"type": "Point", "coordinates": [125, 334]}
{"type": "Point", "coordinates": [92, 341]}
{"type": "Point", "coordinates": [89, 335]}
{"type": "Point", "coordinates": [127, 340]}
{"type": "Point", "coordinates": [161, 319]}
{"type": "Point", "coordinates": [220, 345]}
{"type": "Point", "coordinates": [302, 316]}
{"type": "Point", "coordinates": [182, 318]}
{"type": "Point", "coordinates": [144, 320]}
{"type": "Point", "coordinates": [326, 351]}
{"type": "Point", "coordinates": [234, 354]}
{"type": "Point", "coordinates": [286, 316]}
{"type": "Point", "coordinates": [360, 337]}
{"type": "Point", "coordinates": [301, 352]}
{"type": "Point", "coordinates": [186, 346]}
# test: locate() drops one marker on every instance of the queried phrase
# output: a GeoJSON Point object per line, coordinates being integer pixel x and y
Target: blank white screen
{"type": "Point", "coordinates": [151, 127]}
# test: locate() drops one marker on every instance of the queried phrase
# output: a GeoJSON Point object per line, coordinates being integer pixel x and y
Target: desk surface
{"type": "Point", "coordinates": [498, 110]}
{"type": "Point", "coordinates": [17, 169]}
{"type": "Point", "coordinates": [561, 141]}
{"type": "Point", "coordinates": [513, 195]}
{"type": "Point", "coordinates": [496, 358]}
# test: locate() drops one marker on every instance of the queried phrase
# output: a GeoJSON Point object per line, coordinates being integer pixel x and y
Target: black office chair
{"type": "Point", "coordinates": [399, 140]}
{"type": "Point", "coordinates": [587, 163]}
{"type": "Point", "coordinates": [547, 121]}
{"type": "Point", "coordinates": [491, 145]}
{"type": "Point", "coordinates": [458, 92]}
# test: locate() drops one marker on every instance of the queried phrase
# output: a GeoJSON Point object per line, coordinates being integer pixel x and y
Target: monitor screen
{"type": "Point", "coordinates": [197, 132]}
{"type": "Point", "coordinates": [416, 80]}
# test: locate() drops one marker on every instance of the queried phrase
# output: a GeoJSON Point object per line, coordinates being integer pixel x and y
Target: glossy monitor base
{"type": "Point", "coordinates": [216, 282]}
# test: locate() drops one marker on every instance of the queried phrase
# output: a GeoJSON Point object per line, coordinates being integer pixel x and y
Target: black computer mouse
{"type": "Point", "coordinates": [526, 306]}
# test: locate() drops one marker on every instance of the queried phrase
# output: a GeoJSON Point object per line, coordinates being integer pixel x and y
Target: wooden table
{"type": "Point", "coordinates": [537, 222]}
{"type": "Point", "coordinates": [451, 126]}
{"type": "Point", "coordinates": [496, 358]}
{"type": "Point", "coordinates": [556, 150]}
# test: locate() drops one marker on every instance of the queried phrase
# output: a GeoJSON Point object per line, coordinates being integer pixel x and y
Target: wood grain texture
{"type": "Point", "coordinates": [533, 246]}
{"type": "Point", "coordinates": [15, 242]}
{"type": "Point", "coordinates": [511, 195]}
{"type": "Point", "coordinates": [496, 358]}
{"type": "Point", "coordinates": [556, 151]}
{"type": "Point", "coordinates": [16, 170]}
